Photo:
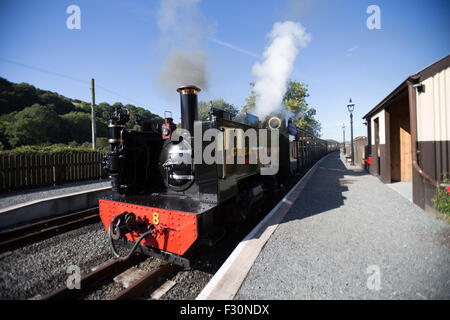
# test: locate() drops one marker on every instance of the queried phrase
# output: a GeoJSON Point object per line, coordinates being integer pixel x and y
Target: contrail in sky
{"type": "Point", "coordinates": [229, 45]}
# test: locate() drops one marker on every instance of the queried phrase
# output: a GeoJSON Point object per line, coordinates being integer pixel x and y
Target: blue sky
{"type": "Point", "coordinates": [120, 45]}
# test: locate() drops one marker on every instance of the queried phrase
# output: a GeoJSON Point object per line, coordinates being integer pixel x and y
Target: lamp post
{"type": "Point", "coordinates": [351, 107]}
{"type": "Point", "coordinates": [343, 131]}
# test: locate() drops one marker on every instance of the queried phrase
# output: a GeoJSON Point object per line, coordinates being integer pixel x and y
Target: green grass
{"type": "Point", "coordinates": [441, 201]}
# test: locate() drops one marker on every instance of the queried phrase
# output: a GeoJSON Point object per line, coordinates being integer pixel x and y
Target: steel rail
{"type": "Point", "coordinates": [10, 239]}
{"type": "Point", "coordinates": [147, 282]}
{"type": "Point", "coordinates": [102, 272]}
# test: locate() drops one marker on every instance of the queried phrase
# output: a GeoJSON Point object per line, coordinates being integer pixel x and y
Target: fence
{"type": "Point", "coordinates": [25, 171]}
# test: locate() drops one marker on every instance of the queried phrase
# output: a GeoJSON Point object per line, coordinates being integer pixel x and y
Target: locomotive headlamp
{"type": "Point", "coordinates": [274, 123]}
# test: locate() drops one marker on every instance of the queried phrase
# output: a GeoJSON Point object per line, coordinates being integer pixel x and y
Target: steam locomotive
{"type": "Point", "coordinates": [164, 204]}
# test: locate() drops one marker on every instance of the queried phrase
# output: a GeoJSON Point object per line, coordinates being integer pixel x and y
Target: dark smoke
{"type": "Point", "coordinates": [184, 29]}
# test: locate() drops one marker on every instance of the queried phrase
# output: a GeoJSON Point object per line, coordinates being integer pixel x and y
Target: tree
{"type": "Point", "coordinates": [5, 119]}
{"type": "Point", "coordinates": [33, 125]}
{"type": "Point", "coordinates": [77, 126]}
{"type": "Point", "coordinates": [103, 110]}
{"type": "Point", "coordinates": [60, 104]}
{"type": "Point", "coordinates": [294, 101]}
{"type": "Point", "coordinates": [204, 107]}
{"type": "Point", "coordinates": [143, 115]}
{"type": "Point", "coordinates": [17, 96]}
{"type": "Point", "coordinates": [250, 102]}
{"type": "Point", "coordinates": [53, 118]}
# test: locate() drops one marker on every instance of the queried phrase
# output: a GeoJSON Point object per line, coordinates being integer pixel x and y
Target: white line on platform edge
{"type": "Point", "coordinates": [213, 283]}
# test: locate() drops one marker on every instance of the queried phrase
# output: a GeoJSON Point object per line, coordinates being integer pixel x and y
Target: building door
{"type": "Point", "coordinates": [406, 156]}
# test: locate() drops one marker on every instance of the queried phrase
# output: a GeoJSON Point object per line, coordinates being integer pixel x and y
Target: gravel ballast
{"type": "Point", "coordinates": [349, 236]}
{"type": "Point", "coordinates": [39, 268]}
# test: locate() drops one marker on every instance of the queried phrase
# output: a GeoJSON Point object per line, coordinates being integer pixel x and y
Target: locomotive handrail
{"type": "Point", "coordinates": [223, 153]}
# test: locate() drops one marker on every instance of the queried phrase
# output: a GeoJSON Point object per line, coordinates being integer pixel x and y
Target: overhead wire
{"type": "Point", "coordinates": [69, 78]}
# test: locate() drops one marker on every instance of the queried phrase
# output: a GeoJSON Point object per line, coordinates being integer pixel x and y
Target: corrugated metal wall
{"type": "Point", "coordinates": [433, 115]}
{"type": "Point", "coordinates": [433, 135]}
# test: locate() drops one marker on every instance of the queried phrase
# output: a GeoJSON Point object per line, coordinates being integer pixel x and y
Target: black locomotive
{"type": "Point", "coordinates": [164, 201]}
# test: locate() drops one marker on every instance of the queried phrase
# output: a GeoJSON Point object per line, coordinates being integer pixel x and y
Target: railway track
{"type": "Point", "coordinates": [149, 281]}
{"type": "Point", "coordinates": [108, 271]}
{"type": "Point", "coordinates": [11, 239]}
{"type": "Point", "coordinates": [101, 283]}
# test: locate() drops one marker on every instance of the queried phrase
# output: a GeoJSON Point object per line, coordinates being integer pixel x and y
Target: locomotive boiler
{"type": "Point", "coordinates": [163, 202]}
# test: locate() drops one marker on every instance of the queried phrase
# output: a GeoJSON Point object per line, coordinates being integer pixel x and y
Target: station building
{"type": "Point", "coordinates": [409, 133]}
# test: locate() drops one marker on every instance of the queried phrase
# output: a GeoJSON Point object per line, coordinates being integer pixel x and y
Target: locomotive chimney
{"type": "Point", "coordinates": [189, 106]}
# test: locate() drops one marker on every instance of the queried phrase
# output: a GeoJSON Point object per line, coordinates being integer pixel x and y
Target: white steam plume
{"type": "Point", "coordinates": [272, 75]}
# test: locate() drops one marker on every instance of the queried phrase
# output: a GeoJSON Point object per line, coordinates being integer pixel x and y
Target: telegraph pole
{"type": "Point", "coordinates": [94, 134]}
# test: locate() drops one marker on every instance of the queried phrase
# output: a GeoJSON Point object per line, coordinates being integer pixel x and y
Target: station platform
{"type": "Point", "coordinates": [340, 233]}
{"type": "Point", "coordinates": [31, 205]}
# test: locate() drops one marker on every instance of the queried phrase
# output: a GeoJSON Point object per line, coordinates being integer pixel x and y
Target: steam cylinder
{"type": "Point", "coordinates": [189, 106]}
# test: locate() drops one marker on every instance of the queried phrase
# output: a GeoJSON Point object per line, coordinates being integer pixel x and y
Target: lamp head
{"type": "Point", "coordinates": [350, 106]}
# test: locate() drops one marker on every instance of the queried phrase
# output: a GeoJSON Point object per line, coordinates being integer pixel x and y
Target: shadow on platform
{"type": "Point", "coordinates": [325, 189]}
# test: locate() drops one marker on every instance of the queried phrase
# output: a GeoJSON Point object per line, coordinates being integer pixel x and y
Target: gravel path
{"type": "Point", "coordinates": [11, 199]}
{"type": "Point", "coordinates": [349, 236]}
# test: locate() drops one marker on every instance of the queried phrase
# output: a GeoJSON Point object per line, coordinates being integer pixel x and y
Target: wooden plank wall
{"type": "Point", "coordinates": [26, 171]}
